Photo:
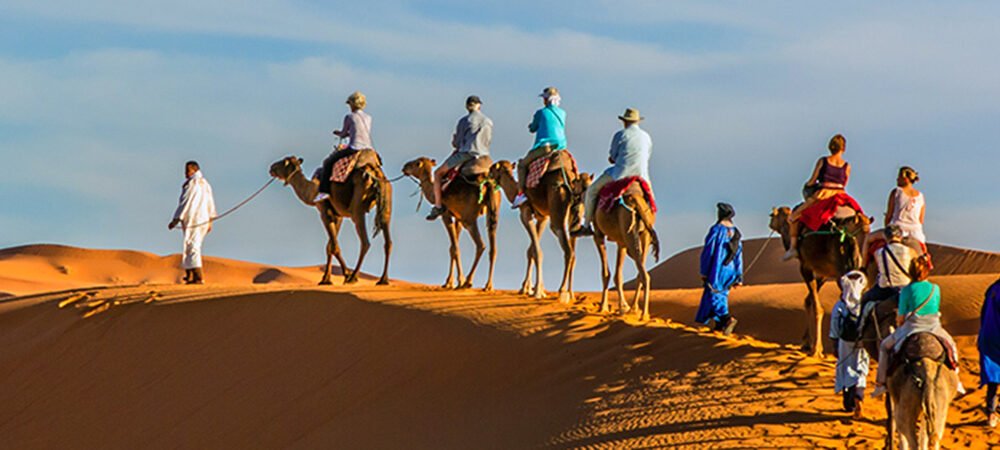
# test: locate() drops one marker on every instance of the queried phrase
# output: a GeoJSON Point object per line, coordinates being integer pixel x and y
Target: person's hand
{"type": "Point", "coordinates": [611, 160]}
{"type": "Point", "coordinates": [738, 285]}
{"type": "Point", "coordinates": [173, 224]}
{"type": "Point", "coordinates": [209, 227]}
{"type": "Point", "coordinates": [704, 279]}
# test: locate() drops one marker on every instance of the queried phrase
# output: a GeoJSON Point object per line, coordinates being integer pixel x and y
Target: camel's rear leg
{"type": "Point", "coordinates": [813, 315]}
{"type": "Point", "coordinates": [362, 230]}
{"type": "Point", "coordinates": [623, 307]}
{"type": "Point", "coordinates": [536, 242]}
{"type": "Point", "coordinates": [602, 252]}
{"type": "Point", "coordinates": [638, 252]}
{"type": "Point", "coordinates": [569, 259]}
{"type": "Point", "coordinates": [387, 250]}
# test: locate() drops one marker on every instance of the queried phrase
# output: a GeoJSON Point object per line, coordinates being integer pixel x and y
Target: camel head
{"type": "Point", "coordinates": [779, 218]}
{"type": "Point", "coordinates": [501, 169]}
{"type": "Point", "coordinates": [420, 168]}
{"type": "Point", "coordinates": [286, 167]}
{"type": "Point", "coordinates": [857, 228]}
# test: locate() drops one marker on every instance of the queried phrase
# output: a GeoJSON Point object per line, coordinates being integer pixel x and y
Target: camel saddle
{"type": "Point", "coordinates": [357, 160]}
{"type": "Point", "coordinates": [923, 345]}
{"type": "Point", "coordinates": [610, 194]}
{"type": "Point", "coordinates": [878, 242]}
{"type": "Point", "coordinates": [550, 161]}
{"type": "Point", "coordinates": [472, 171]}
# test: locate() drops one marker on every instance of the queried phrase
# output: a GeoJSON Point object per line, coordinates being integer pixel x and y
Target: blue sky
{"type": "Point", "coordinates": [101, 102]}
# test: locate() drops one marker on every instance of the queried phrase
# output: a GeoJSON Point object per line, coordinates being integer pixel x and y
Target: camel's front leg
{"type": "Point", "coordinates": [813, 316]}
{"type": "Point", "coordinates": [602, 253]}
{"type": "Point", "coordinates": [477, 239]}
{"type": "Point", "coordinates": [528, 223]}
{"type": "Point", "coordinates": [331, 224]}
{"type": "Point", "coordinates": [536, 242]}
{"type": "Point", "coordinates": [454, 256]}
{"type": "Point", "coordinates": [359, 226]}
{"type": "Point", "coordinates": [639, 255]}
{"type": "Point", "coordinates": [492, 223]}
{"type": "Point", "coordinates": [623, 307]}
{"type": "Point", "coordinates": [569, 258]}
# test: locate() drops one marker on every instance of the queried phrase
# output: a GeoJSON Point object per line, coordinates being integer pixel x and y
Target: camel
{"type": "Point", "coordinates": [824, 255]}
{"type": "Point", "coordinates": [630, 225]}
{"type": "Point", "coordinates": [366, 187]}
{"type": "Point", "coordinates": [556, 198]}
{"type": "Point", "coordinates": [469, 196]}
{"type": "Point", "coordinates": [921, 389]}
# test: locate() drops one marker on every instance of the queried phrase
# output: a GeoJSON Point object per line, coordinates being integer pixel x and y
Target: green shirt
{"type": "Point", "coordinates": [915, 293]}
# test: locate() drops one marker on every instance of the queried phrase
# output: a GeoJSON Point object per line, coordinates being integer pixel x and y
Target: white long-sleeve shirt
{"type": "Point", "coordinates": [196, 205]}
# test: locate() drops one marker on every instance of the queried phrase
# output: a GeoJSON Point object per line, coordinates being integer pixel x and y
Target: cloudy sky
{"type": "Point", "coordinates": [101, 102]}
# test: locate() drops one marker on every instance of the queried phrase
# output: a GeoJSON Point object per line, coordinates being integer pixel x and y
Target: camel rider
{"type": "Point", "coordinates": [194, 214]}
{"type": "Point", "coordinates": [549, 127]}
{"type": "Point", "coordinates": [906, 209]}
{"type": "Point", "coordinates": [357, 130]}
{"type": "Point", "coordinates": [471, 140]}
{"type": "Point", "coordinates": [631, 148]}
{"type": "Point", "coordinates": [829, 178]}
{"type": "Point", "coordinates": [919, 311]}
{"type": "Point", "coordinates": [893, 263]}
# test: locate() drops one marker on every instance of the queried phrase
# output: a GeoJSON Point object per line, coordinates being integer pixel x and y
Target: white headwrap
{"type": "Point", "coordinates": [852, 286]}
{"type": "Point", "coordinates": [554, 99]}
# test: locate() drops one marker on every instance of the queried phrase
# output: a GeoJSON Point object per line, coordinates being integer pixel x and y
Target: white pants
{"type": "Point", "coordinates": [590, 196]}
{"type": "Point", "coordinates": [193, 238]}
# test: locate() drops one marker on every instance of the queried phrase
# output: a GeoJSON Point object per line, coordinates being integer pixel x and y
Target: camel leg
{"type": "Point", "coordinates": [562, 234]}
{"type": "Point", "coordinates": [623, 307]}
{"type": "Point", "coordinates": [813, 316]}
{"type": "Point", "coordinates": [528, 223]}
{"type": "Point", "coordinates": [477, 239]}
{"type": "Point", "coordinates": [387, 250]}
{"type": "Point", "coordinates": [642, 278]}
{"type": "Point", "coordinates": [492, 223]}
{"type": "Point", "coordinates": [540, 226]}
{"type": "Point", "coordinates": [331, 228]}
{"type": "Point", "coordinates": [907, 410]}
{"type": "Point", "coordinates": [359, 226]}
{"type": "Point", "coordinates": [602, 252]}
{"type": "Point", "coordinates": [454, 261]}
{"type": "Point", "coordinates": [890, 423]}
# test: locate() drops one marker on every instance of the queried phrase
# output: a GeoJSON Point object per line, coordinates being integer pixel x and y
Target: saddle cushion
{"type": "Point", "coordinates": [561, 159]}
{"type": "Point", "coordinates": [821, 212]}
{"type": "Point", "coordinates": [346, 165]}
{"type": "Point", "coordinates": [611, 192]}
{"type": "Point", "coordinates": [924, 345]}
{"type": "Point", "coordinates": [472, 170]}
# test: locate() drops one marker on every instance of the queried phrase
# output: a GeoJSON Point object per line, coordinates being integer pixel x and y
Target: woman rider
{"type": "Point", "coordinates": [829, 178]}
{"type": "Point", "coordinates": [906, 210]}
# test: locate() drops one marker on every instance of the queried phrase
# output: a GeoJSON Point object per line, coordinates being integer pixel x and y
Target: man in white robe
{"type": "Point", "coordinates": [194, 214]}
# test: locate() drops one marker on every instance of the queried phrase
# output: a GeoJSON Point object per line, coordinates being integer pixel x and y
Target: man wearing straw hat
{"type": "Point", "coordinates": [631, 148]}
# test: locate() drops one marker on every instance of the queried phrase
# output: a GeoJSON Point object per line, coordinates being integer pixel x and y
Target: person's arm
{"type": "Point", "coordinates": [613, 152]}
{"type": "Point", "coordinates": [182, 207]}
{"type": "Point", "coordinates": [847, 174]}
{"type": "Point", "coordinates": [485, 135]}
{"type": "Point", "coordinates": [533, 126]}
{"type": "Point", "coordinates": [891, 207]}
{"type": "Point", "coordinates": [345, 130]}
{"type": "Point", "coordinates": [458, 132]}
{"type": "Point", "coordinates": [211, 205]}
{"type": "Point", "coordinates": [815, 174]}
{"type": "Point", "coordinates": [923, 209]}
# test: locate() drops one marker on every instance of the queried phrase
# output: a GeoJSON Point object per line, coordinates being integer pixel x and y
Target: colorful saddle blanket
{"type": "Point", "coordinates": [611, 192]}
{"type": "Point", "coordinates": [820, 213]}
{"type": "Point", "coordinates": [543, 165]}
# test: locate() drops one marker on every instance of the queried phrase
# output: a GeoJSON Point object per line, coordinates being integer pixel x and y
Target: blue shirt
{"type": "Point", "coordinates": [549, 126]}
{"type": "Point", "coordinates": [915, 293]}
{"type": "Point", "coordinates": [630, 151]}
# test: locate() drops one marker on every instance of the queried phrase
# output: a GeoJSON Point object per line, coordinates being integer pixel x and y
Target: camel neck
{"type": "Point", "coordinates": [303, 187]}
{"type": "Point", "coordinates": [427, 187]}
{"type": "Point", "coordinates": [509, 187]}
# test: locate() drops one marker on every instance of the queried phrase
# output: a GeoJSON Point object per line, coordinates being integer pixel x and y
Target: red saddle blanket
{"type": "Point", "coordinates": [822, 211]}
{"type": "Point", "coordinates": [343, 168]}
{"type": "Point", "coordinates": [878, 242]}
{"type": "Point", "coordinates": [612, 191]}
{"type": "Point", "coordinates": [540, 167]}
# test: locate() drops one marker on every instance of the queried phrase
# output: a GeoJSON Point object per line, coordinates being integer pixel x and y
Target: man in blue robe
{"type": "Point", "coordinates": [989, 350]}
{"type": "Point", "coordinates": [721, 270]}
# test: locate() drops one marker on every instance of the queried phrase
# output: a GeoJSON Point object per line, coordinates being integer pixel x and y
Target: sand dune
{"type": "Point", "coordinates": [40, 268]}
{"type": "Point", "coordinates": [236, 365]}
{"type": "Point", "coordinates": [681, 271]}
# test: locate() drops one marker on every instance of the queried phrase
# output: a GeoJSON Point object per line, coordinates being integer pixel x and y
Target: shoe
{"type": "Point", "coordinates": [790, 255]}
{"type": "Point", "coordinates": [858, 413]}
{"type": "Point", "coordinates": [960, 389]}
{"type": "Point", "coordinates": [728, 330]}
{"type": "Point", "coordinates": [582, 230]}
{"type": "Point", "coordinates": [994, 419]}
{"type": "Point", "coordinates": [436, 212]}
{"type": "Point", "coordinates": [520, 200]}
{"type": "Point", "coordinates": [879, 391]}
{"type": "Point", "coordinates": [321, 197]}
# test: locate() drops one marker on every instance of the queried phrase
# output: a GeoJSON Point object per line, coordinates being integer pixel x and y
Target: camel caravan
{"type": "Point", "coordinates": [887, 307]}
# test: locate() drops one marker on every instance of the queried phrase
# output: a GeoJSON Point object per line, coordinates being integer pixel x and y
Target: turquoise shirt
{"type": "Point", "coordinates": [915, 293]}
{"type": "Point", "coordinates": [549, 126]}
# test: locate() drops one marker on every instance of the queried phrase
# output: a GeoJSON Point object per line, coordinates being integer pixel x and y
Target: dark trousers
{"type": "Point", "coordinates": [324, 179]}
{"type": "Point", "coordinates": [991, 397]}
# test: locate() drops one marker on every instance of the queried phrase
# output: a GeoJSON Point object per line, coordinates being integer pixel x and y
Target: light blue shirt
{"type": "Point", "coordinates": [630, 152]}
{"type": "Point", "coordinates": [549, 126]}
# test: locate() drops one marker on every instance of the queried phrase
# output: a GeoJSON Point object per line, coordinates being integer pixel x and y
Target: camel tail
{"type": "Point", "coordinates": [648, 219]}
{"type": "Point", "coordinates": [383, 204]}
{"type": "Point", "coordinates": [934, 412]}
{"type": "Point", "coordinates": [655, 242]}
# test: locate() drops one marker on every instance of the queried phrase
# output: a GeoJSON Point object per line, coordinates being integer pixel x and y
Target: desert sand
{"type": "Point", "coordinates": [100, 349]}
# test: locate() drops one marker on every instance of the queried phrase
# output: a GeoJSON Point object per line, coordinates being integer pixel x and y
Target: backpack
{"type": "Point", "coordinates": [849, 328]}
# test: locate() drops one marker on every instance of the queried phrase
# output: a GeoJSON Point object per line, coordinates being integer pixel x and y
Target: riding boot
{"type": "Point", "coordinates": [849, 398]}
{"type": "Point", "coordinates": [721, 322]}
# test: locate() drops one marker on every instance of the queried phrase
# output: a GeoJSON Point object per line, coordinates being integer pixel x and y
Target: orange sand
{"type": "Point", "coordinates": [234, 364]}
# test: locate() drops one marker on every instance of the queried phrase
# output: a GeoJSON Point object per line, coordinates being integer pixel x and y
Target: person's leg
{"type": "Point", "coordinates": [439, 173]}
{"type": "Point", "coordinates": [324, 178]}
{"type": "Point", "coordinates": [848, 399]}
{"type": "Point", "coordinates": [883, 363]}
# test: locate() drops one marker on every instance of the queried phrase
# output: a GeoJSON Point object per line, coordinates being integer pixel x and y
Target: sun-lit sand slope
{"type": "Point", "coordinates": [237, 365]}
{"type": "Point", "coordinates": [681, 270]}
{"type": "Point", "coordinates": [41, 268]}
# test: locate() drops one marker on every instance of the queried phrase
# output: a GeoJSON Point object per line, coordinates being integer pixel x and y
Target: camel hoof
{"type": "Point", "coordinates": [565, 298]}
{"type": "Point", "coordinates": [524, 291]}
{"type": "Point", "coordinates": [351, 280]}
{"type": "Point", "coordinates": [604, 308]}
{"type": "Point", "coordinates": [540, 295]}
{"type": "Point", "coordinates": [644, 317]}
{"type": "Point", "coordinates": [383, 282]}
{"type": "Point", "coordinates": [325, 283]}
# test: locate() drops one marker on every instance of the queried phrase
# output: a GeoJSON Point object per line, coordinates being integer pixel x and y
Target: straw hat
{"type": "Point", "coordinates": [631, 115]}
{"type": "Point", "coordinates": [549, 92]}
{"type": "Point", "coordinates": [357, 100]}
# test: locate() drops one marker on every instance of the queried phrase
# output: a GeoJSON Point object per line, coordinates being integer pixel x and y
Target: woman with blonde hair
{"type": "Point", "coordinates": [357, 130]}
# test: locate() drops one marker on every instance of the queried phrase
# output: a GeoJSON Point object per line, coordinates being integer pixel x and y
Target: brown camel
{"type": "Point", "coordinates": [921, 388]}
{"type": "Point", "coordinates": [630, 225]}
{"type": "Point", "coordinates": [470, 195]}
{"type": "Point", "coordinates": [366, 187]}
{"type": "Point", "coordinates": [824, 255]}
{"type": "Point", "coordinates": [556, 198]}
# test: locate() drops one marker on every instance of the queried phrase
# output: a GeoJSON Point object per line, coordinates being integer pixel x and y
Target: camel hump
{"type": "Point", "coordinates": [563, 159]}
{"type": "Point", "coordinates": [923, 345]}
{"type": "Point", "coordinates": [368, 158]}
{"type": "Point", "coordinates": [477, 166]}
